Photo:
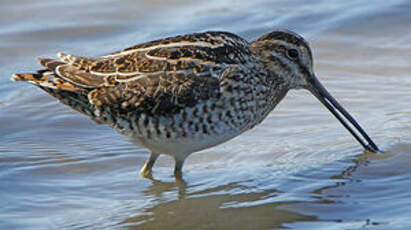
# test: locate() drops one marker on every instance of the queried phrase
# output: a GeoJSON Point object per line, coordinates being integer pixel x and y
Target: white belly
{"type": "Point", "coordinates": [183, 145]}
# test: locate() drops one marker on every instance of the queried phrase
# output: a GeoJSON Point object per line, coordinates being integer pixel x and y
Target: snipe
{"type": "Point", "coordinates": [182, 94]}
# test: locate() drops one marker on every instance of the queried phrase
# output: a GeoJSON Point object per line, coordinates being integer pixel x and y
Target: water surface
{"type": "Point", "coordinates": [300, 169]}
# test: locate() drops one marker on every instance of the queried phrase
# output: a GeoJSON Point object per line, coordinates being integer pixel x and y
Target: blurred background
{"type": "Point", "coordinates": [300, 169]}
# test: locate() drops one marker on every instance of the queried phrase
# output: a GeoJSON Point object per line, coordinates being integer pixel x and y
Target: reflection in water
{"type": "Point", "coordinates": [356, 197]}
{"type": "Point", "coordinates": [341, 179]}
{"type": "Point", "coordinates": [233, 206]}
{"type": "Point", "coordinates": [224, 207]}
{"type": "Point", "coordinates": [208, 212]}
{"type": "Point", "coordinates": [158, 188]}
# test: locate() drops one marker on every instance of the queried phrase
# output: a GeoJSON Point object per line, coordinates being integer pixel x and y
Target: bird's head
{"type": "Point", "coordinates": [288, 58]}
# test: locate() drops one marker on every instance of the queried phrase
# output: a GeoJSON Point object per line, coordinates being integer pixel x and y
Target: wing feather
{"type": "Point", "coordinates": [161, 76]}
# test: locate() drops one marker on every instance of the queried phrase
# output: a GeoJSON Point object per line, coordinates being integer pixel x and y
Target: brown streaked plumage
{"type": "Point", "coordinates": [182, 94]}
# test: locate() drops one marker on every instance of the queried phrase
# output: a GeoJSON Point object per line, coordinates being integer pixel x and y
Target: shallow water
{"type": "Point", "coordinates": [298, 170]}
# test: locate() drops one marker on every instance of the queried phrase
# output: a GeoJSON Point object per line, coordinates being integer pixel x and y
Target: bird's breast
{"type": "Point", "coordinates": [208, 123]}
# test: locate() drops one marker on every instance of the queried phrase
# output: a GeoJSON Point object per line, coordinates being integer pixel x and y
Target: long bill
{"type": "Point", "coordinates": [318, 90]}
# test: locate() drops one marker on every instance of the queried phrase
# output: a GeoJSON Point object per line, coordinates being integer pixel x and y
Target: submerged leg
{"type": "Point", "coordinates": [178, 167]}
{"type": "Point", "coordinates": [147, 168]}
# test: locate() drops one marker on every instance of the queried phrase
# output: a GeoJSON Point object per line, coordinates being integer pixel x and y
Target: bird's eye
{"type": "Point", "coordinates": [292, 53]}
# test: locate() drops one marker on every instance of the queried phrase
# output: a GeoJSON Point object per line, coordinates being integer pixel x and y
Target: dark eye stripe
{"type": "Point", "coordinates": [281, 63]}
{"type": "Point", "coordinates": [289, 52]}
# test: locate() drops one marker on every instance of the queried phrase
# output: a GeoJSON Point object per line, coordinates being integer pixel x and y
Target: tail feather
{"type": "Point", "coordinates": [47, 79]}
{"type": "Point", "coordinates": [67, 93]}
{"type": "Point", "coordinates": [66, 80]}
{"type": "Point", "coordinates": [61, 75]}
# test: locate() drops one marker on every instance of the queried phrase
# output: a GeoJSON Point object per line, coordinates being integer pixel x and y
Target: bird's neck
{"type": "Point", "coordinates": [275, 84]}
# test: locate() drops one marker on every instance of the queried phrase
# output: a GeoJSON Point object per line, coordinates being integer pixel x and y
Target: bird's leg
{"type": "Point", "coordinates": [178, 167]}
{"type": "Point", "coordinates": [147, 168]}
